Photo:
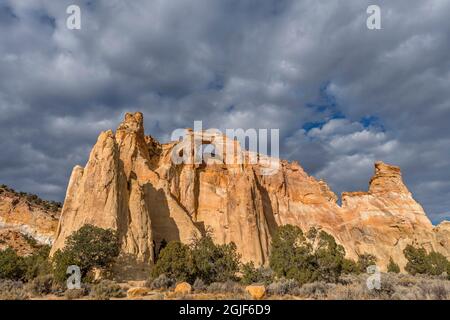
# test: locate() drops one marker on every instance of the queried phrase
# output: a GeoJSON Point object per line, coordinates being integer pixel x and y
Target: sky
{"type": "Point", "coordinates": [342, 96]}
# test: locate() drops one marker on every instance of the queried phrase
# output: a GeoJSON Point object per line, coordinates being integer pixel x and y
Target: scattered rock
{"type": "Point", "coordinates": [183, 288]}
{"type": "Point", "coordinates": [137, 292]}
{"type": "Point", "coordinates": [256, 292]}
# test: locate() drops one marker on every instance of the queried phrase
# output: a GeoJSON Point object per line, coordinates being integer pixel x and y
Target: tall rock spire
{"type": "Point", "coordinates": [117, 189]}
{"type": "Point", "coordinates": [95, 192]}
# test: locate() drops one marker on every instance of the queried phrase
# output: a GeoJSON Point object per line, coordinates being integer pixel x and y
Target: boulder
{"type": "Point", "coordinates": [257, 292]}
{"type": "Point", "coordinates": [183, 288]}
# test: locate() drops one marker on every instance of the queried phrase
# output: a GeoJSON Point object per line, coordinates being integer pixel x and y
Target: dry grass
{"type": "Point", "coordinates": [13, 290]}
{"type": "Point", "coordinates": [229, 287]}
{"type": "Point", "coordinates": [393, 287]}
{"type": "Point", "coordinates": [350, 287]}
{"type": "Point", "coordinates": [107, 289]}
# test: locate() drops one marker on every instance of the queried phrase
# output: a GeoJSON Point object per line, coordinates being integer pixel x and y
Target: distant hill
{"type": "Point", "coordinates": [25, 218]}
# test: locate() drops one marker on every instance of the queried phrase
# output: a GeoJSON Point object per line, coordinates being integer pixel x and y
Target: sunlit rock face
{"type": "Point", "coordinates": [19, 215]}
{"type": "Point", "coordinates": [140, 188]}
{"type": "Point", "coordinates": [385, 219]}
{"type": "Point", "coordinates": [117, 189]}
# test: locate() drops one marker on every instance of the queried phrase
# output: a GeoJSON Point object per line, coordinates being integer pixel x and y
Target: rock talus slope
{"type": "Point", "coordinates": [132, 184]}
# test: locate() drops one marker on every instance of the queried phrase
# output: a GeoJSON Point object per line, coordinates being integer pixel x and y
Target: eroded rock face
{"type": "Point", "coordinates": [385, 219]}
{"type": "Point", "coordinates": [132, 184]}
{"type": "Point", "coordinates": [19, 215]}
{"type": "Point", "coordinates": [117, 189]}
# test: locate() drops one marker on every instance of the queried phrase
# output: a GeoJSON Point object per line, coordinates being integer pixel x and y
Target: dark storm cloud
{"type": "Point", "coordinates": [343, 96]}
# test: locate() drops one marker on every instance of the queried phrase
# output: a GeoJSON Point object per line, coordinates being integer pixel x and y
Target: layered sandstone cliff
{"type": "Point", "coordinates": [19, 214]}
{"type": "Point", "coordinates": [135, 185]}
{"type": "Point", "coordinates": [118, 189]}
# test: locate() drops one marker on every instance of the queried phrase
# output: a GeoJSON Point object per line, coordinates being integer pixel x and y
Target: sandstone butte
{"type": "Point", "coordinates": [131, 185]}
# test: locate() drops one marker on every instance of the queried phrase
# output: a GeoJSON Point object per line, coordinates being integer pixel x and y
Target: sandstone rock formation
{"type": "Point", "coordinates": [257, 292]}
{"type": "Point", "coordinates": [118, 189]}
{"type": "Point", "coordinates": [137, 186]}
{"type": "Point", "coordinates": [183, 288]}
{"type": "Point", "coordinates": [18, 214]}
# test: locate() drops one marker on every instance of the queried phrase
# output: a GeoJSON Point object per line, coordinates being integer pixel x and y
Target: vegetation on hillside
{"type": "Point", "coordinates": [392, 266]}
{"type": "Point", "coordinates": [15, 267]}
{"type": "Point", "coordinates": [421, 262]}
{"type": "Point", "coordinates": [32, 199]}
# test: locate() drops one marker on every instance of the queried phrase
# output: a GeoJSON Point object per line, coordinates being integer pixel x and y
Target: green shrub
{"type": "Point", "coordinates": [213, 263]}
{"type": "Point", "coordinates": [12, 266]}
{"type": "Point", "coordinates": [250, 274]}
{"type": "Point", "coordinates": [88, 248]}
{"type": "Point", "coordinates": [291, 256]}
{"type": "Point", "coordinates": [15, 267]}
{"type": "Point", "coordinates": [392, 266]}
{"type": "Point", "coordinates": [203, 259]}
{"type": "Point", "coordinates": [350, 267]}
{"type": "Point", "coordinates": [448, 271]}
{"type": "Point", "coordinates": [316, 257]}
{"type": "Point", "coordinates": [417, 260]}
{"type": "Point", "coordinates": [438, 263]}
{"type": "Point", "coordinates": [174, 262]}
{"type": "Point", "coordinates": [31, 241]}
{"type": "Point", "coordinates": [366, 260]}
{"type": "Point", "coordinates": [93, 247]}
{"type": "Point", "coordinates": [38, 264]}
{"type": "Point", "coordinates": [330, 257]}
{"type": "Point", "coordinates": [61, 261]}
{"type": "Point", "coordinates": [421, 262]}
